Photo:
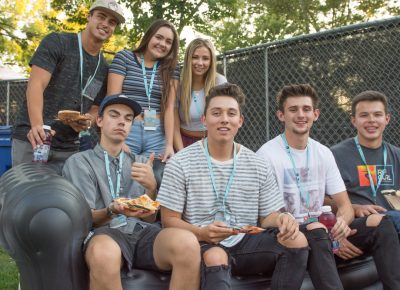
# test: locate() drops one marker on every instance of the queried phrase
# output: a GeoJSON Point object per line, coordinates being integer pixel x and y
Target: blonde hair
{"type": "Point", "coordinates": [186, 76]}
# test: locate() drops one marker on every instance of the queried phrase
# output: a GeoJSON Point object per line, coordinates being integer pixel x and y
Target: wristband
{"type": "Point", "coordinates": [110, 212]}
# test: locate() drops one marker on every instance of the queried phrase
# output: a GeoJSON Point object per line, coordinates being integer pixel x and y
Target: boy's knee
{"type": "Point", "coordinates": [215, 256]}
{"type": "Point", "coordinates": [316, 225]}
{"type": "Point", "coordinates": [374, 220]}
{"type": "Point", "coordinates": [179, 241]}
{"type": "Point", "coordinates": [102, 252]}
{"type": "Point", "coordinates": [299, 242]}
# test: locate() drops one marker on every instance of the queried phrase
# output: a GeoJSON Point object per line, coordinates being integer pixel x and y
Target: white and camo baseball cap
{"type": "Point", "coordinates": [110, 6]}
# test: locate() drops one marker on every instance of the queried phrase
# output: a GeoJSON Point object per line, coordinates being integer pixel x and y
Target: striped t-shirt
{"type": "Point", "coordinates": [186, 188]}
{"type": "Point", "coordinates": [125, 63]}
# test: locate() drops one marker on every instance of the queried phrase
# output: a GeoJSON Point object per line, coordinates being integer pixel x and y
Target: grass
{"type": "Point", "coordinates": [8, 272]}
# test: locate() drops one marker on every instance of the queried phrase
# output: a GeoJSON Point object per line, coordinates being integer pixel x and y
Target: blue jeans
{"type": "Point", "coordinates": [394, 216]}
{"type": "Point", "coordinates": [145, 142]}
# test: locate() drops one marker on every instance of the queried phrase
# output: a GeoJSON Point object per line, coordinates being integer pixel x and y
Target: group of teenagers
{"type": "Point", "coordinates": [146, 108]}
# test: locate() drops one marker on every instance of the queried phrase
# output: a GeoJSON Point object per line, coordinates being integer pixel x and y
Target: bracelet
{"type": "Point", "coordinates": [287, 213]}
{"type": "Point", "coordinates": [110, 212]}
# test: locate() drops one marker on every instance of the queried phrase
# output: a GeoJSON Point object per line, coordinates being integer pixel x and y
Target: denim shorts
{"type": "Point", "coordinates": [136, 248]}
{"type": "Point", "coordinates": [144, 142]}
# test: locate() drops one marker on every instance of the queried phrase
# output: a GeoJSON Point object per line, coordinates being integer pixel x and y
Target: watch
{"type": "Point", "coordinates": [110, 212]}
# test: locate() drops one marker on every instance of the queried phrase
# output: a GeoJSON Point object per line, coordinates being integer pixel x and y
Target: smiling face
{"type": "Point", "coordinates": [101, 25]}
{"type": "Point", "coordinates": [115, 123]}
{"type": "Point", "coordinates": [160, 43]}
{"type": "Point", "coordinates": [298, 115]}
{"type": "Point", "coordinates": [222, 119]}
{"type": "Point", "coordinates": [201, 61]}
{"type": "Point", "coordinates": [370, 120]}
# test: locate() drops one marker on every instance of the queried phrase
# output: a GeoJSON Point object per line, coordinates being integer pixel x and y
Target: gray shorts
{"type": "Point", "coordinates": [22, 152]}
{"type": "Point", "coordinates": [136, 248]}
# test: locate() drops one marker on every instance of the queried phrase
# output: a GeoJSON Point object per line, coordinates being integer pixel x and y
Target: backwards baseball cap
{"type": "Point", "coordinates": [111, 7]}
{"type": "Point", "coordinates": [120, 99]}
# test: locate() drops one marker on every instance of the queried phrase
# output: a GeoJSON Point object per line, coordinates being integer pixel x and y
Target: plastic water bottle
{"type": "Point", "coordinates": [41, 152]}
{"type": "Point", "coordinates": [328, 219]}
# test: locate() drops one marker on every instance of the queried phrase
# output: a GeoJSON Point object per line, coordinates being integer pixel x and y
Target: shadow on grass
{"type": "Point", "coordinates": [8, 272]}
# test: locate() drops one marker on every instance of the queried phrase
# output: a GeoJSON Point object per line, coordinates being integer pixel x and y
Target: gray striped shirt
{"type": "Point", "coordinates": [186, 188]}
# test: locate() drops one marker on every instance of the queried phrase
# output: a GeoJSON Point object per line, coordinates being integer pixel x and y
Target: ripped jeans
{"type": "Point", "coordinates": [256, 254]}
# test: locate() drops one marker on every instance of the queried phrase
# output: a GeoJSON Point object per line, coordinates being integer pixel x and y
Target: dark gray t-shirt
{"type": "Point", "coordinates": [58, 53]}
{"type": "Point", "coordinates": [355, 175]}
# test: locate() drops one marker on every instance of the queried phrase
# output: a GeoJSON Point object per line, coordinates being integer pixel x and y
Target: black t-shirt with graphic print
{"type": "Point", "coordinates": [355, 175]}
{"type": "Point", "coordinates": [58, 53]}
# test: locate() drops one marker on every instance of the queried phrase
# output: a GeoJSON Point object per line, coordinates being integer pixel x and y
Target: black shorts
{"type": "Point", "coordinates": [136, 247]}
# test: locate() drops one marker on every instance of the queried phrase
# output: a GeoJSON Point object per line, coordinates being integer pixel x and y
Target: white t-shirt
{"type": "Point", "coordinates": [323, 175]}
{"type": "Point", "coordinates": [186, 188]}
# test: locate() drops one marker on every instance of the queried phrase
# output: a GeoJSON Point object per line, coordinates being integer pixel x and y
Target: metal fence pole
{"type": "Point", "coordinates": [267, 111]}
{"type": "Point", "coordinates": [8, 104]}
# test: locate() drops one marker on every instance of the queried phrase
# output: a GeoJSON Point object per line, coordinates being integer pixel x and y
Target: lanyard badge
{"type": "Point", "coordinates": [119, 220]}
{"type": "Point", "coordinates": [150, 116]}
{"type": "Point", "coordinates": [378, 178]}
{"type": "Point", "coordinates": [304, 195]}
{"type": "Point", "coordinates": [90, 79]}
{"type": "Point", "coordinates": [221, 213]}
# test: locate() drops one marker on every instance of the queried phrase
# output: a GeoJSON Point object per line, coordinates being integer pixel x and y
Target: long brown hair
{"type": "Point", "coordinates": [186, 76]}
{"type": "Point", "coordinates": [168, 63]}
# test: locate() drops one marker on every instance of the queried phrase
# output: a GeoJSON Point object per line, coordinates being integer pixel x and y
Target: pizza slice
{"type": "Point", "coordinates": [142, 202]}
{"type": "Point", "coordinates": [251, 230]}
{"type": "Point", "coordinates": [68, 116]}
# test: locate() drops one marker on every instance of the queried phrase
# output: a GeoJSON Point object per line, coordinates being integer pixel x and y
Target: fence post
{"type": "Point", "coordinates": [266, 93]}
{"type": "Point", "coordinates": [224, 66]}
{"type": "Point", "coordinates": [8, 104]}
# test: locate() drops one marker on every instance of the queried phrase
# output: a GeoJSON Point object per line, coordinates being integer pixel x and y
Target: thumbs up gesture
{"type": "Point", "coordinates": [143, 173]}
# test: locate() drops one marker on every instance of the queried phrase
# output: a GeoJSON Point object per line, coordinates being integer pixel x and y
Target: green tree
{"type": "Point", "coordinates": [263, 21]}
{"type": "Point", "coordinates": [200, 15]}
{"type": "Point", "coordinates": [24, 23]}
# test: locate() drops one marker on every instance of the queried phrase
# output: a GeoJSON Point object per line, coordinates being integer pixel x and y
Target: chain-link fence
{"type": "Point", "coordinates": [12, 94]}
{"type": "Point", "coordinates": [339, 63]}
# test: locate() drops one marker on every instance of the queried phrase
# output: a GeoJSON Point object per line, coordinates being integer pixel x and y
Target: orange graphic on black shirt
{"type": "Point", "coordinates": [363, 174]}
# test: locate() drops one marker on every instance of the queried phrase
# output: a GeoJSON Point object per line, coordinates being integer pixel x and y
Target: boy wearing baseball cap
{"type": "Point", "coordinates": [122, 237]}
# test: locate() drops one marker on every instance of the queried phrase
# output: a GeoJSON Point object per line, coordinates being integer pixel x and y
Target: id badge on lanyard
{"type": "Point", "coordinates": [150, 119]}
{"type": "Point", "coordinates": [90, 79]}
{"type": "Point", "coordinates": [150, 116]}
{"type": "Point", "coordinates": [118, 221]}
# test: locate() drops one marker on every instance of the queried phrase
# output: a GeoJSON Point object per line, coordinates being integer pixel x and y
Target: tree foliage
{"type": "Point", "coordinates": [231, 23]}
{"type": "Point", "coordinates": [270, 20]}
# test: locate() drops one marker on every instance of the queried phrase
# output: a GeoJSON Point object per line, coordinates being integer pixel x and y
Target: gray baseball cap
{"type": "Point", "coordinates": [110, 6]}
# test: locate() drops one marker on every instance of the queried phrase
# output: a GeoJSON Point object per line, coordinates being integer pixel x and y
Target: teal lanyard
{"type": "Point", "coordinates": [114, 194]}
{"type": "Point", "coordinates": [91, 78]}
{"type": "Point", "coordinates": [211, 173]}
{"type": "Point", "coordinates": [148, 87]}
{"type": "Point", "coordinates": [379, 179]}
{"type": "Point", "coordinates": [295, 170]}
{"type": "Point", "coordinates": [197, 105]}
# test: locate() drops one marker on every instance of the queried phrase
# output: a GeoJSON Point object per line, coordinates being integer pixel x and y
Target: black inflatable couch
{"type": "Point", "coordinates": [44, 220]}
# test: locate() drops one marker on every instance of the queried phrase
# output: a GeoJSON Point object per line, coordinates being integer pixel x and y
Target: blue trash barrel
{"type": "Point", "coordinates": [5, 148]}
